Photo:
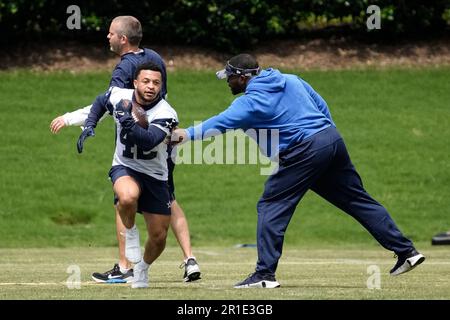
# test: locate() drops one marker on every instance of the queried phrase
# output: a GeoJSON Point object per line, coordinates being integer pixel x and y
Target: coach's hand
{"type": "Point", "coordinates": [178, 136]}
{"type": "Point", "coordinates": [87, 132]}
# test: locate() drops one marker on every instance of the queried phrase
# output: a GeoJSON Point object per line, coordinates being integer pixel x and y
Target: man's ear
{"type": "Point", "coordinates": [244, 80]}
{"type": "Point", "coordinates": [135, 82]}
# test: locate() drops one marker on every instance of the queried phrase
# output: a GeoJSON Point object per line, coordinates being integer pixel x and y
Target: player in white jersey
{"type": "Point", "coordinates": [150, 162]}
{"type": "Point", "coordinates": [139, 169]}
{"type": "Point", "coordinates": [124, 36]}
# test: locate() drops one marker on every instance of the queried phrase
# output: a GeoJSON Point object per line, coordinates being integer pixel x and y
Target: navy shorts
{"type": "Point", "coordinates": [154, 198]}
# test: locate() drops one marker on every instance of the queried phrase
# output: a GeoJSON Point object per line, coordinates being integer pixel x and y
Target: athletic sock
{"type": "Point", "coordinates": [143, 265]}
{"type": "Point", "coordinates": [191, 257]}
{"type": "Point", "coordinates": [132, 228]}
{"type": "Point", "coordinates": [123, 270]}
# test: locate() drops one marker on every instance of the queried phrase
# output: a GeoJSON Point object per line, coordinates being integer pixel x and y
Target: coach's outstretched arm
{"type": "Point", "coordinates": [237, 116]}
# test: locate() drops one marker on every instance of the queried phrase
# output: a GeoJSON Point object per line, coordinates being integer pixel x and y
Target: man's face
{"type": "Point", "coordinates": [236, 83]}
{"type": "Point", "coordinates": [116, 40]}
{"type": "Point", "coordinates": [147, 86]}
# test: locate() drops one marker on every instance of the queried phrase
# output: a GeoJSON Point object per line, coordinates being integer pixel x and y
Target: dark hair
{"type": "Point", "coordinates": [147, 66]}
{"type": "Point", "coordinates": [244, 61]}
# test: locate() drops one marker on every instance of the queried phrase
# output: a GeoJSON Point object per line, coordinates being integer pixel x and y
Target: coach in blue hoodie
{"type": "Point", "coordinates": [311, 155]}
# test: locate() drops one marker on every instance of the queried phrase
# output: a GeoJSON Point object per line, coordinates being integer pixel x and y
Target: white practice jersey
{"type": "Point", "coordinates": [151, 162]}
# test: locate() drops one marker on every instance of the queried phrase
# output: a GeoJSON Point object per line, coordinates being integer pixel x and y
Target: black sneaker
{"type": "Point", "coordinates": [441, 238]}
{"type": "Point", "coordinates": [258, 280]}
{"type": "Point", "coordinates": [191, 270]}
{"type": "Point", "coordinates": [113, 276]}
{"type": "Point", "coordinates": [407, 262]}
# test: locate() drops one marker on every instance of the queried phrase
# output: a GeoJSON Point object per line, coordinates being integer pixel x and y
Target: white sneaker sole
{"type": "Point", "coordinates": [139, 285]}
{"type": "Point", "coordinates": [261, 284]}
{"type": "Point", "coordinates": [113, 280]}
{"type": "Point", "coordinates": [409, 264]}
{"type": "Point", "coordinates": [193, 273]}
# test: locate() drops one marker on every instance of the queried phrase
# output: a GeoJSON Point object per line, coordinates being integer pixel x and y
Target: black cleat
{"type": "Point", "coordinates": [407, 262]}
{"type": "Point", "coordinates": [258, 280]}
{"type": "Point", "coordinates": [113, 276]}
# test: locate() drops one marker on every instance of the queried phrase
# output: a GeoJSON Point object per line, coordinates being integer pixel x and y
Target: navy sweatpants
{"type": "Point", "coordinates": [320, 163]}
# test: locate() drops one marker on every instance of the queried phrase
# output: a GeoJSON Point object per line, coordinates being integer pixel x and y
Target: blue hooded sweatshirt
{"type": "Point", "coordinates": [272, 101]}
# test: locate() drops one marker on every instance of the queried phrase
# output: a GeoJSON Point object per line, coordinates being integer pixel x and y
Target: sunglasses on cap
{"type": "Point", "coordinates": [231, 70]}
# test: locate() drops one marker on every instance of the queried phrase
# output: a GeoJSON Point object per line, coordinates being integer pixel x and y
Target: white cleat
{"type": "Point", "coordinates": [140, 279]}
{"type": "Point", "coordinates": [132, 245]}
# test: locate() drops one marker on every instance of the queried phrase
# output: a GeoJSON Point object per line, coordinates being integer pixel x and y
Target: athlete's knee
{"type": "Point", "coordinates": [158, 236]}
{"type": "Point", "coordinates": [159, 240]}
{"type": "Point", "coordinates": [127, 199]}
{"type": "Point", "coordinates": [127, 191]}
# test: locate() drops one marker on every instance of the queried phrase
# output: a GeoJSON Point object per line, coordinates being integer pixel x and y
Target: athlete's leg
{"type": "Point", "coordinates": [157, 226]}
{"type": "Point", "coordinates": [342, 186]}
{"type": "Point", "coordinates": [120, 231]}
{"type": "Point", "coordinates": [127, 191]}
{"type": "Point", "coordinates": [180, 228]}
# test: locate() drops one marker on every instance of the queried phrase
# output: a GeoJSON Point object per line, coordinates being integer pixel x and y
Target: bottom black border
{"type": "Point", "coordinates": [224, 309]}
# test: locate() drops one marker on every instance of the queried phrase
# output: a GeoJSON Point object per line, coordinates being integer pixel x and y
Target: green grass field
{"type": "Point", "coordinates": [331, 273]}
{"type": "Point", "coordinates": [396, 127]}
{"type": "Point", "coordinates": [395, 123]}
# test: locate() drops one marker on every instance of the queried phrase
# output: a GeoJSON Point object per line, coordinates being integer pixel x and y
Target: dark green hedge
{"type": "Point", "coordinates": [232, 24]}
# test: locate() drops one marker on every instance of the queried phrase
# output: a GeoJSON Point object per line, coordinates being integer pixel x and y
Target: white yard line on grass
{"type": "Point", "coordinates": [88, 283]}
